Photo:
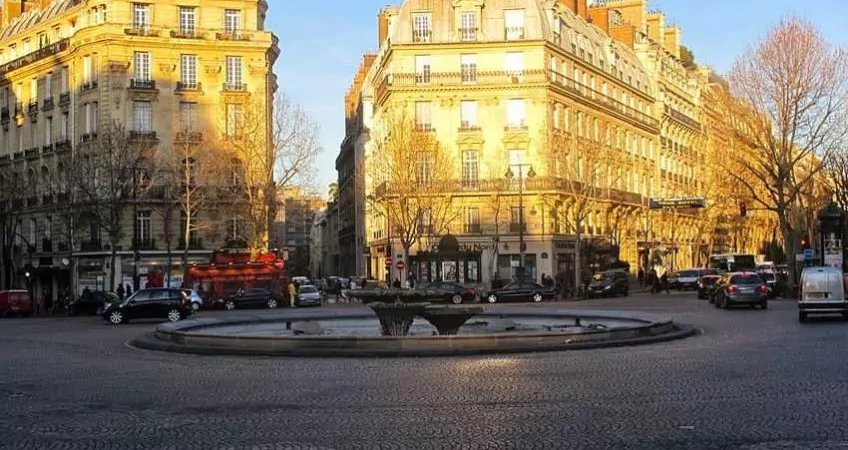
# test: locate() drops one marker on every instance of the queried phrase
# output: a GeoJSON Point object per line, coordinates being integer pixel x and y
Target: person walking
{"type": "Point", "coordinates": [641, 276]}
{"type": "Point", "coordinates": [292, 294]}
{"type": "Point", "coordinates": [120, 291]}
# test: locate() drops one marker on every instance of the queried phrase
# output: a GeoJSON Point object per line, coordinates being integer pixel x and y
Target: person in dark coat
{"type": "Point", "coordinates": [396, 283]}
{"type": "Point", "coordinates": [641, 276]}
{"type": "Point", "coordinates": [120, 291]}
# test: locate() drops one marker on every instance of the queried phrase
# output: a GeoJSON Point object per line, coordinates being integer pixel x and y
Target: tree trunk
{"type": "Point", "coordinates": [578, 279]}
{"type": "Point", "coordinates": [112, 257]}
{"type": "Point", "coordinates": [789, 246]}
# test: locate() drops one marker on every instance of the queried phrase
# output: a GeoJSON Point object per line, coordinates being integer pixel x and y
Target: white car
{"type": "Point", "coordinates": [308, 295]}
{"type": "Point", "coordinates": [196, 300]}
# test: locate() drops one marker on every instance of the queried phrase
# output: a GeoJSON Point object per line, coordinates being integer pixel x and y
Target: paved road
{"type": "Point", "coordinates": [754, 380]}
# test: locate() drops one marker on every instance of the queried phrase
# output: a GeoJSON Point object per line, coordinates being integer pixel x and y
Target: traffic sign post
{"type": "Point", "coordinates": [808, 254]}
{"type": "Point", "coordinates": [388, 262]}
{"type": "Point", "coordinates": [400, 265]}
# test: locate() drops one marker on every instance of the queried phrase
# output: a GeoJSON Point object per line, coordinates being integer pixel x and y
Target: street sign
{"type": "Point", "coordinates": [674, 203]}
{"type": "Point", "coordinates": [388, 262]}
{"type": "Point", "coordinates": [400, 265]}
{"type": "Point", "coordinates": [799, 257]}
{"type": "Point", "coordinates": [808, 253]}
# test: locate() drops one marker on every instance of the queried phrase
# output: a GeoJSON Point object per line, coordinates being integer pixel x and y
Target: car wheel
{"type": "Point", "coordinates": [537, 297]}
{"type": "Point", "coordinates": [195, 306]}
{"type": "Point", "coordinates": [175, 315]}
{"type": "Point", "coordinates": [116, 317]}
{"type": "Point", "coordinates": [230, 305]}
{"type": "Point", "coordinates": [493, 298]}
{"type": "Point", "coordinates": [802, 316]}
{"type": "Point", "coordinates": [272, 303]}
{"type": "Point", "coordinates": [456, 299]}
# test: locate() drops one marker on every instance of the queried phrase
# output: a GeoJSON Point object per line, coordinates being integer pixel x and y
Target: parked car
{"type": "Point", "coordinates": [609, 284]}
{"type": "Point", "coordinates": [15, 303]}
{"type": "Point", "coordinates": [253, 298]}
{"type": "Point", "coordinates": [93, 303]}
{"type": "Point", "coordinates": [822, 291]}
{"type": "Point", "coordinates": [308, 295]}
{"type": "Point", "coordinates": [446, 291]}
{"type": "Point", "coordinates": [705, 285]}
{"type": "Point", "coordinates": [195, 299]}
{"type": "Point", "coordinates": [521, 291]}
{"type": "Point", "coordinates": [741, 288]}
{"type": "Point", "coordinates": [688, 278]}
{"type": "Point", "coordinates": [160, 303]}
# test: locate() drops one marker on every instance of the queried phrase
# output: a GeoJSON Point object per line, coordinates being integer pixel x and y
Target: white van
{"type": "Point", "coordinates": [822, 291]}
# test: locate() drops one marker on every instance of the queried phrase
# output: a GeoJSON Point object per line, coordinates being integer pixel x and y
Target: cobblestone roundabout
{"type": "Point", "coordinates": [754, 380]}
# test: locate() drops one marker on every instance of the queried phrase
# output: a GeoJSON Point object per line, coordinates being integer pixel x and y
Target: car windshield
{"type": "Point", "coordinates": [709, 281]}
{"type": "Point", "coordinates": [688, 274]}
{"type": "Point", "coordinates": [746, 279]}
{"type": "Point", "coordinates": [308, 290]}
{"type": "Point", "coordinates": [602, 276]}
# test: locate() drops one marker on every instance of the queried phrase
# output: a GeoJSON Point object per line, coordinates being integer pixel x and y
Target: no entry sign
{"type": "Point", "coordinates": [400, 265]}
{"type": "Point", "coordinates": [388, 262]}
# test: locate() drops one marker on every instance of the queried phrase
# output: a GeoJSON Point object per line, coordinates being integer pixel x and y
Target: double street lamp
{"type": "Point", "coordinates": [522, 247]}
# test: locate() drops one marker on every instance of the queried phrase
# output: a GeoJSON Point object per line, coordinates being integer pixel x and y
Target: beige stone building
{"type": "Point", "coordinates": [494, 82]}
{"type": "Point", "coordinates": [168, 72]}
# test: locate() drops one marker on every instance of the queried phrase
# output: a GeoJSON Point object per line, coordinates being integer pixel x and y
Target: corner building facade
{"type": "Point", "coordinates": [167, 72]}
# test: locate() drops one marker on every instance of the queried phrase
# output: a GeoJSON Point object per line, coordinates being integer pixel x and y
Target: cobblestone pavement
{"type": "Point", "coordinates": [754, 380]}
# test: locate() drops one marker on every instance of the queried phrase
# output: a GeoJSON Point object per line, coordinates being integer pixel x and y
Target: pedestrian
{"type": "Point", "coordinates": [664, 283]}
{"type": "Point", "coordinates": [641, 276]}
{"type": "Point", "coordinates": [396, 284]}
{"type": "Point", "coordinates": [128, 291]}
{"type": "Point", "coordinates": [120, 291]}
{"type": "Point", "coordinates": [292, 294]}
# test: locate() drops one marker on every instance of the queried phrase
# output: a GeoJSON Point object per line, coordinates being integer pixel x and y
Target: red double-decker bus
{"type": "Point", "coordinates": [230, 272]}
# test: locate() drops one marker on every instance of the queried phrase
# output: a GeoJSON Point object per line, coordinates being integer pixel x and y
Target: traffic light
{"type": "Point", "coordinates": [743, 210]}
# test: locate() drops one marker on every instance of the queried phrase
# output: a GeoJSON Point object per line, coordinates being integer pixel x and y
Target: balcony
{"type": "Point", "coordinates": [46, 199]}
{"type": "Point", "coordinates": [63, 247]}
{"type": "Point", "coordinates": [518, 227]}
{"type": "Point", "coordinates": [141, 30]}
{"type": "Point", "coordinates": [62, 146]}
{"type": "Point", "coordinates": [513, 33]}
{"type": "Point", "coordinates": [183, 86]}
{"type": "Point", "coordinates": [234, 87]}
{"type": "Point", "coordinates": [472, 228]}
{"type": "Point", "coordinates": [584, 92]}
{"type": "Point", "coordinates": [422, 36]}
{"type": "Point", "coordinates": [193, 244]}
{"type": "Point", "coordinates": [189, 136]}
{"type": "Point", "coordinates": [468, 127]}
{"type": "Point", "coordinates": [91, 246]}
{"type": "Point", "coordinates": [19, 110]}
{"type": "Point", "coordinates": [232, 35]}
{"type": "Point", "coordinates": [47, 105]}
{"type": "Point", "coordinates": [187, 33]}
{"type": "Point", "coordinates": [32, 107]}
{"type": "Point", "coordinates": [46, 246]}
{"type": "Point", "coordinates": [86, 137]}
{"type": "Point", "coordinates": [142, 135]}
{"type": "Point", "coordinates": [64, 98]}
{"type": "Point", "coordinates": [89, 85]}
{"type": "Point", "coordinates": [142, 84]}
{"type": "Point", "coordinates": [411, 81]}
{"type": "Point", "coordinates": [682, 118]}
{"type": "Point", "coordinates": [468, 34]}
{"type": "Point", "coordinates": [425, 127]}
{"type": "Point", "coordinates": [31, 153]}
{"type": "Point", "coordinates": [144, 243]}
{"type": "Point", "coordinates": [42, 53]}
{"type": "Point", "coordinates": [516, 126]}
{"type": "Point", "coordinates": [32, 201]}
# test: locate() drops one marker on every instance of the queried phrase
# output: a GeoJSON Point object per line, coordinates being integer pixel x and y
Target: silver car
{"type": "Point", "coordinates": [308, 295]}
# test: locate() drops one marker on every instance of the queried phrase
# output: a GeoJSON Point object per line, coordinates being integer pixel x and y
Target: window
{"type": "Point", "coordinates": [13, 52]}
{"type": "Point", "coordinates": [234, 113]}
{"type": "Point", "coordinates": [142, 66]}
{"type": "Point", "coordinates": [63, 127]}
{"type": "Point", "coordinates": [232, 22]}
{"type": "Point", "coordinates": [63, 80]}
{"type": "Point", "coordinates": [27, 47]}
{"type": "Point", "coordinates": [557, 116]}
{"type": "Point", "coordinates": [424, 167]}
{"type": "Point", "coordinates": [33, 89]}
{"type": "Point", "coordinates": [141, 16]}
{"type": "Point", "coordinates": [518, 162]}
{"type": "Point", "coordinates": [472, 219]}
{"type": "Point", "coordinates": [142, 116]}
{"type": "Point", "coordinates": [188, 71]}
{"type": "Point", "coordinates": [188, 117]}
{"type": "Point", "coordinates": [468, 114]}
{"type": "Point", "coordinates": [514, 23]}
{"type": "Point", "coordinates": [516, 217]}
{"type": "Point", "coordinates": [468, 26]}
{"type": "Point", "coordinates": [423, 117]}
{"type": "Point", "coordinates": [515, 65]}
{"type": "Point", "coordinates": [188, 20]}
{"type": "Point", "coordinates": [90, 115]}
{"type": "Point", "coordinates": [144, 229]}
{"type": "Point", "coordinates": [468, 68]}
{"type": "Point", "coordinates": [48, 86]}
{"type": "Point", "coordinates": [48, 132]}
{"type": "Point", "coordinates": [86, 70]}
{"type": "Point", "coordinates": [470, 168]}
{"type": "Point", "coordinates": [33, 231]}
{"type": "Point", "coordinates": [421, 27]}
{"type": "Point", "coordinates": [234, 73]}
{"type": "Point", "coordinates": [234, 228]}
{"type": "Point", "coordinates": [515, 113]}
{"type": "Point", "coordinates": [422, 69]}
{"type": "Point", "coordinates": [43, 40]}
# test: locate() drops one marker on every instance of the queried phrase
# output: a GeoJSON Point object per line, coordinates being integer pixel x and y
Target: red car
{"type": "Point", "coordinates": [15, 303]}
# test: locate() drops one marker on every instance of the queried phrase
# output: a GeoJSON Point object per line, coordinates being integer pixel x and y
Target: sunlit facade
{"type": "Point", "coordinates": [491, 80]}
{"type": "Point", "coordinates": [169, 72]}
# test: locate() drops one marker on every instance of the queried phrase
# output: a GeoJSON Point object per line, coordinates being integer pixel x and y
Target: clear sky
{"type": "Point", "coordinates": [322, 44]}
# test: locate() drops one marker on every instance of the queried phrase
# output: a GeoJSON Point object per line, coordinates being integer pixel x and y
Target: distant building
{"type": "Point", "coordinates": [293, 228]}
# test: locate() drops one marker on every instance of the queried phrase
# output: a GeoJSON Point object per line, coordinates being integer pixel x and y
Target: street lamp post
{"type": "Point", "coordinates": [522, 247]}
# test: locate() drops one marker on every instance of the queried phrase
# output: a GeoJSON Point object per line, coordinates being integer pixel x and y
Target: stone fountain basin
{"type": "Point", "coordinates": [197, 336]}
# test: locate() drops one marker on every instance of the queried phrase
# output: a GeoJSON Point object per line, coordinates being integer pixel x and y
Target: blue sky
{"type": "Point", "coordinates": [322, 44]}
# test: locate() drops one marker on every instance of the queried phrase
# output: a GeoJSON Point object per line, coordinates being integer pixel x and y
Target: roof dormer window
{"type": "Point", "coordinates": [422, 27]}
{"type": "Point", "coordinates": [514, 24]}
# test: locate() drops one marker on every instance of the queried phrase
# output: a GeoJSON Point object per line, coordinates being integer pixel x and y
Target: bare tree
{"type": "Point", "coordinates": [591, 168]}
{"type": "Point", "coordinates": [11, 202]}
{"type": "Point", "coordinates": [276, 149]}
{"type": "Point", "coordinates": [788, 115]}
{"type": "Point", "coordinates": [415, 173]}
{"type": "Point", "coordinates": [109, 174]}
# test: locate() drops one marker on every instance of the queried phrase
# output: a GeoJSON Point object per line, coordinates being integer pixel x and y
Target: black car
{"type": "Point", "coordinates": [741, 288]}
{"type": "Point", "coordinates": [92, 303]}
{"type": "Point", "coordinates": [609, 284]}
{"type": "Point", "coordinates": [253, 298]}
{"type": "Point", "coordinates": [446, 291]}
{"type": "Point", "coordinates": [163, 303]}
{"type": "Point", "coordinates": [705, 285]}
{"type": "Point", "coordinates": [521, 291]}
